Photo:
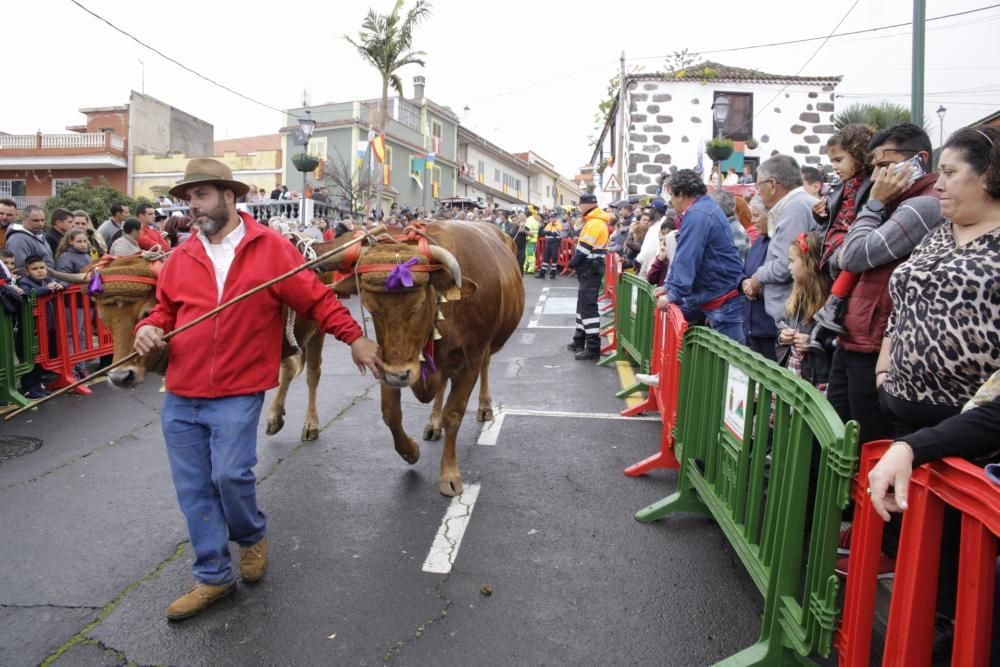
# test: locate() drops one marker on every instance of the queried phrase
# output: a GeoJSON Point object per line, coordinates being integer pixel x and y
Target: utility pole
{"type": "Point", "coordinates": [917, 85]}
{"type": "Point", "coordinates": [620, 157]}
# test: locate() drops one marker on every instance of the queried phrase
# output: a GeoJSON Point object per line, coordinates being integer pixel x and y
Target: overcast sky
{"type": "Point", "coordinates": [530, 72]}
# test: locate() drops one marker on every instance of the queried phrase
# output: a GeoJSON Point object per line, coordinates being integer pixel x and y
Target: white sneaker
{"type": "Point", "coordinates": [648, 380]}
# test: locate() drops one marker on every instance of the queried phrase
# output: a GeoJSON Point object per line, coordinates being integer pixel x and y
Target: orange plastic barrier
{"type": "Point", "coordinates": [668, 337]}
{"type": "Point", "coordinates": [567, 247]}
{"type": "Point", "coordinates": [72, 316]}
{"type": "Point", "coordinates": [952, 483]}
{"type": "Point", "coordinates": [612, 269]}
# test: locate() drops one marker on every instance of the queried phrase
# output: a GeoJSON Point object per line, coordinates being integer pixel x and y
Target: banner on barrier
{"type": "Point", "coordinates": [734, 415]}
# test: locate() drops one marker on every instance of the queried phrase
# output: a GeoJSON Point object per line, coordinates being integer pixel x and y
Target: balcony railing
{"type": "Point", "coordinates": [71, 143]}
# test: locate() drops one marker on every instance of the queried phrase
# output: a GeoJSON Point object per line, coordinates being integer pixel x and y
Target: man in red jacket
{"type": "Point", "coordinates": [220, 369]}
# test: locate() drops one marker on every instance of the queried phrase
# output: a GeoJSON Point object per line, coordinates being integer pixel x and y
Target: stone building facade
{"type": "Point", "coordinates": [669, 117]}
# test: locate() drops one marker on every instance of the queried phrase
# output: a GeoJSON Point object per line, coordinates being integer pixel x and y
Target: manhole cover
{"type": "Point", "coordinates": [12, 446]}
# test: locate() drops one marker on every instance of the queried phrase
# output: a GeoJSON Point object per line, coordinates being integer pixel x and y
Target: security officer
{"type": "Point", "coordinates": [550, 261]}
{"type": "Point", "coordinates": [589, 264]}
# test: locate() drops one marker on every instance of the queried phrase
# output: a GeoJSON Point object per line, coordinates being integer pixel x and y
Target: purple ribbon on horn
{"type": "Point", "coordinates": [401, 276]}
{"type": "Point", "coordinates": [96, 285]}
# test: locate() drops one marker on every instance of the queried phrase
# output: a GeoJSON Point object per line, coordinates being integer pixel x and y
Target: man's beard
{"type": "Point", "coordinates": [213, 220]}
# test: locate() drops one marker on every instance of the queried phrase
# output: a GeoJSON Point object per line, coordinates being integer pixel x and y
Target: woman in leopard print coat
{"type": "Point", "coordinates": [944, 333]}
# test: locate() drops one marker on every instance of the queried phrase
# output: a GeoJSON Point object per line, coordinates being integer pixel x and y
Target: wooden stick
{"type": "Point", "coordinates": [198, 320]}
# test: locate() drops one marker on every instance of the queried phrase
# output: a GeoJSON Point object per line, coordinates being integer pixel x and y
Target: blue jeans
{"type": "Point", "coordinates": [212, 446]}
{"type": "Point", "coordinates": [727, 319]}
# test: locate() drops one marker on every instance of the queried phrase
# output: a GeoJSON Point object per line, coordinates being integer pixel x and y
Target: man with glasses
{"type": "Point", "coordinates": [779, 183]}
{"type": "Point", "coordinates": [901, 210]}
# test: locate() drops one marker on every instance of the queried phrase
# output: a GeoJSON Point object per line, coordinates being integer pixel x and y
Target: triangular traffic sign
{"type": "Point", "coordinates": [613, 184]}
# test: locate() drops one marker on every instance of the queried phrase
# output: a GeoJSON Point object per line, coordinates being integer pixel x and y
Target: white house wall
{"type": "Point", "coordinates": [669, 120]}
{"type": "Point", "coordinates": [491, 164]}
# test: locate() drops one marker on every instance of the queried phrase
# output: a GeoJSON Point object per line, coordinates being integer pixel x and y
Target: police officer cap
{"type": "Point", "coordinates": [588, 198]}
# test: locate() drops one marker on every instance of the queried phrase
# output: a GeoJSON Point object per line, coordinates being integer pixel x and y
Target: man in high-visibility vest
{"type": "Point", "coordinates": [588, 261]}
{"type": "Point", "coordinates": [531, 227]}
{"type": "Point", "coordinates": [550, 260]}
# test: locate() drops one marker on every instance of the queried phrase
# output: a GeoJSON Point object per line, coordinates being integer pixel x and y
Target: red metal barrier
{"type": "Point", "coordinates": [950, 482]}
{"type": "Point", "coordinates": [567, 247]}
{"type": "Point", "coordinates": [72, 314]}
{"type": "Point", "coordinates": [612, 269]}
{"type": "Point", "coordinates": [668, 337]}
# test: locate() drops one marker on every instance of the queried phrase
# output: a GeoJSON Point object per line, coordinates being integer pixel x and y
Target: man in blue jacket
{"type": "Point", "coordinates": [706, 268]}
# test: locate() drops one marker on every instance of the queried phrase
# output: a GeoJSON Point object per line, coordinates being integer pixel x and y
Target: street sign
{"type": "Point", "coordinates": [613, 185]}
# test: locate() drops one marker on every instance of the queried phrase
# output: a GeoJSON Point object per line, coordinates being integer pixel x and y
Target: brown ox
{"type": "Point", "coordinates": [123, 303]}
{"type": "Point", "coordinates": [481, 279]}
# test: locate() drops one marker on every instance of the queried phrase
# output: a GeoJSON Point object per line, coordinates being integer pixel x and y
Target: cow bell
{"type": "Point", "coordinates": [437, 334]}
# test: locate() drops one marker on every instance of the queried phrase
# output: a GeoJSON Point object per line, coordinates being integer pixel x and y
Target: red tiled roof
{"type": "Point", "coordinates": [717, 72]}
{"type": "Point", "coordinates": [244, 145]}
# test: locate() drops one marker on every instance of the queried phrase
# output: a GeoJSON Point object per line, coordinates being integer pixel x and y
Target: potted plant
{"type": "Point", "coordinates": [719, 148]}
{"type": "Point", "coordinates": [752, 143]}
{"type": "Point", "coordinates": [305, 161]}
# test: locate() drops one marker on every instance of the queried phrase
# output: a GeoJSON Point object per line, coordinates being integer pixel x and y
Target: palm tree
{"type": "Point", "coordinates": [386, 42]}
{"type": "Point", "coordinates": [876, 116]}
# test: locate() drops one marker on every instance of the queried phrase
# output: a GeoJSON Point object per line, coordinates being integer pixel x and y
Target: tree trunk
{"type": "Point", "coordinates": [383, 107]}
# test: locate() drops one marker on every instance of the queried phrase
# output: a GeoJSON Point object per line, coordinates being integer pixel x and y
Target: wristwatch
{"type": "Point", "coordinates": [876, 207]}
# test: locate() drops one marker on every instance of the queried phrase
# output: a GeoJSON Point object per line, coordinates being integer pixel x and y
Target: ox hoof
{"type": "Point", "coordinates": [432, 432]}
{"type": "Point", "coordinates": [310, 433]}
{"type": "Point", "coordinates": [411, 455]}
{"type": "Point", "coordinates": [484, 414]}
{"type": "Point", "coordinates": [450, 487]}
{"type": "Point", "coordinates": [275, 424]}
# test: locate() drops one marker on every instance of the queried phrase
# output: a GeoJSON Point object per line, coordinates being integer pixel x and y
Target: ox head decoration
{"type": "Point", "coordinates": [121, 303]}
{"type": "Point", "coordinates": [406, 292]}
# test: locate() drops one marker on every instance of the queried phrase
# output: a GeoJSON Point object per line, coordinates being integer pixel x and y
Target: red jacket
{"type": "Point", "coordinates": [869, 305]}
{"type": "Point", "coordinates": [239, 350]}
{"type": "Point", "coordinates": [149, 237]}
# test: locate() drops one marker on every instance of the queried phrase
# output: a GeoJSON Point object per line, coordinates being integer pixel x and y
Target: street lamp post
{"type": "Point", "coordinates": [940, 114]}
{"type": "Point", "coordinates": [306, 127]}
{"type": "Point", "coordinates": [720, 111]}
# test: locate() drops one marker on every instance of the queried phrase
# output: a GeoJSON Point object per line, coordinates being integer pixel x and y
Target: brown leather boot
{"type": "Point", "coordinates": [197, 599]}
{"type": "Point", "coordinates": [253, 562]}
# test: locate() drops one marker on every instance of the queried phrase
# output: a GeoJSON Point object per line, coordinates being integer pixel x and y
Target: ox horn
{"type": "Point", "coordinates": [76, 278]}
{"type": "Point", "coordinates": [449, 262]}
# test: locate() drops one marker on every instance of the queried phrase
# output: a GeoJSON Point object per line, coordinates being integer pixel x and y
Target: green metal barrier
{"type": "Point", "coordinates": [752, 476]}
{"type": "Point", "coordinates": [634, 322]}
{"type": "Point", "coordinates": [23, 346]}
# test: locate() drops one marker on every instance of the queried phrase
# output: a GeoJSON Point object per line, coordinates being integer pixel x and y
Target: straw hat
{"type": "Point", "coordinates": [207, 170]}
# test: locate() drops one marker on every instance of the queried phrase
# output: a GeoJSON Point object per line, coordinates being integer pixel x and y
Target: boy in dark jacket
{"type": "Point", "coordinates": [35, 280]}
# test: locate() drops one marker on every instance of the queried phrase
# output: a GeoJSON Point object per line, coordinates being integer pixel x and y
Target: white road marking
{"type": "Point", "coordinates": [533, 324]}
{"type": "Point", "coordinates": [444, 550]}
{"type": "Point", "coordinates": [491, 430]}
{"type": "Point", "coordinates": [560, 305]}
{"type": "Point", "coordinates": [539, 307]}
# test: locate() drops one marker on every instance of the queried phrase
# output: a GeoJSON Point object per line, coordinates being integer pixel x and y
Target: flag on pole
{"type": "Point", "coordinates": [378, 146]}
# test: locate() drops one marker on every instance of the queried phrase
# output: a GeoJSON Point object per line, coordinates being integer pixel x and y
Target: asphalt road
{"type": "Point", "coordinates": [94, 547]}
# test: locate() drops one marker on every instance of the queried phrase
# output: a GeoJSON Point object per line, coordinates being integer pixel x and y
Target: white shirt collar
{"type": "Point", "coordinates": [231, 240]}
